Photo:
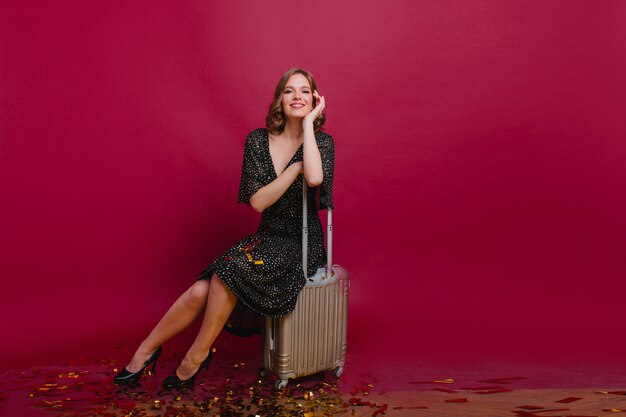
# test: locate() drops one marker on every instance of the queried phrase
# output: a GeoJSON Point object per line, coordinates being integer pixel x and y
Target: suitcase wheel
{"type": "Point", "coordinates": [338, 371]}
{"type": "Point", "coordinates": [262, 373]}
{"type": "Point", "coordinates": [281, 383]}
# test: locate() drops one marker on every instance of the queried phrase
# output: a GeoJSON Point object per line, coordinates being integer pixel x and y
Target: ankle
{"type": "Point", "coordinates": [196, 356]}
{"type": "Point", "coordinates": [139, 358]}
{"type": "Point", "coordinates": [146, 349]}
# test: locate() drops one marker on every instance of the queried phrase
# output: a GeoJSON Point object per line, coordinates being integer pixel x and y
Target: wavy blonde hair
{"type": "Point", "coordinates": [275, 120]}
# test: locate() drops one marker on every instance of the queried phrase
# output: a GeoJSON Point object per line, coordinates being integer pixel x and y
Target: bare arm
{"type": "Point", "coordinates": [312, 160]}
{"type": "Point", "coordinates": [269, 194]}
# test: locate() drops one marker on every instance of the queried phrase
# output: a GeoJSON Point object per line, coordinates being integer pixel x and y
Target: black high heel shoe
{"type": "Point", "coordinates": [130, 378]}
{"type": "Point", "coordinates": [173, 381]}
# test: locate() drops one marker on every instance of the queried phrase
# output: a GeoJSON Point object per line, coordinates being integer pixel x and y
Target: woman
{"type": "Point", "coordinates": [262, 272]}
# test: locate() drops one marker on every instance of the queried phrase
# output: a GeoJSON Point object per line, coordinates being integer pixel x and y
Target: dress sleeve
{"type": "Point", "coordinates": [326, 146]}
{"type": "Point", "coordinates": [251, 170]}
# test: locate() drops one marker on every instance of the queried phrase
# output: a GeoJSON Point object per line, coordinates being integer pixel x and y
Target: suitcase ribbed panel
{"type": "Point", "coordinates": [313, 337]}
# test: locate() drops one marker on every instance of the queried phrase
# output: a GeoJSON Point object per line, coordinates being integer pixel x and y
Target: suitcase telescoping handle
{"type": "Point", "coordinates": [305, 233]}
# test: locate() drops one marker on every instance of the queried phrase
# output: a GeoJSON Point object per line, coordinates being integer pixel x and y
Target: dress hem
{"type": "Point", "coordinates": [208, 274]}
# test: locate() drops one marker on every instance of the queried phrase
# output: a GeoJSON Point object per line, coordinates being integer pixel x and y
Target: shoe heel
{"type": "Point", "coordinates": [205, 364]}
{"type": "Point", "coordinates": [153, 370]}
{"type": "Point", "coordinates": [173, 381]}
{"type": "Point", "coordinates": [131, 378]}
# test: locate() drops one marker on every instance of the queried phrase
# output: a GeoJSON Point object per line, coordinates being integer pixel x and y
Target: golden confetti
{"type": "Point", "coordinates": [445, 381]}
{"type": "Point", "coordinates": [73, 374]}
{"type": "Point", "coordinates": [54, 404]}
{"type": "Point", "coordinates": [247, 397]}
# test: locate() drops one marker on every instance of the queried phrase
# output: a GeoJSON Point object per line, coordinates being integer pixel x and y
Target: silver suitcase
{"type": "Point", "coordinates": [312, 338]}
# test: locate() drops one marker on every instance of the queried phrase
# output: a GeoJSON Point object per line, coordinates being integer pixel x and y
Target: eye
{"type": "Point", "coordinates": [286, 91]}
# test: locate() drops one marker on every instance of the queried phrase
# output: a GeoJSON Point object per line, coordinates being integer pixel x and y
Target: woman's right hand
{"type": "Point", "coordinates": [320, 103]}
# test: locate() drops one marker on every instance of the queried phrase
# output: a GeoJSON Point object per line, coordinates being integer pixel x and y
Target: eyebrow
{"type": "Point", "coordinates": [304, 86]}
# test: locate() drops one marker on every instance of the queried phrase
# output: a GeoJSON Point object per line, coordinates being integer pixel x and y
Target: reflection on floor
{"type": "Point", "coordinates": [401, 386]}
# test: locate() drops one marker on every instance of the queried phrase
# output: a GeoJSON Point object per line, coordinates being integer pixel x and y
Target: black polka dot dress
{"type": "Point", "coordinates": [264, 269]}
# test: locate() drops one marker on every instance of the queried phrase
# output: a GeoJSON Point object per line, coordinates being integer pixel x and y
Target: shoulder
{"type": "Point", "coordinates": [257, 134]}
{"type": "Point", "coordinates": [256, 138]}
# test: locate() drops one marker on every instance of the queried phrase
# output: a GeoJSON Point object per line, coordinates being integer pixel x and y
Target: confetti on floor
{"type": "Point", "coordinates": [231, 388]}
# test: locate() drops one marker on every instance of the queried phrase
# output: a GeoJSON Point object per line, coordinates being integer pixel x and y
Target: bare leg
{"type": "Point", "coordinates": [180, 315]}
{"type": "Point", "coordinates": [220, 304]}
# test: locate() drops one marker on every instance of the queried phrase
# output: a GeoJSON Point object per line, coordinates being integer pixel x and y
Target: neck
{"type": "Point", "coordinates": [293, 129]}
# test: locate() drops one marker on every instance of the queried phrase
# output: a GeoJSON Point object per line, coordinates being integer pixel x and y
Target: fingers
{"type": "Point", "coordinates": [319, 106]}
{"type": "Point", "coordinates": [321, 101]}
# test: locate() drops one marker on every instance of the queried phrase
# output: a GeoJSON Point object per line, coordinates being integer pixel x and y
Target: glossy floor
{"type": "Point", "coordinates": [398, 384]}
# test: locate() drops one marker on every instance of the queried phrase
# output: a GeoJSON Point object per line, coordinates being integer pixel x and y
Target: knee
{"type": "Point", "coordinates": [218, 288]}
{"type": "Point", "coordinates": [199, 292]}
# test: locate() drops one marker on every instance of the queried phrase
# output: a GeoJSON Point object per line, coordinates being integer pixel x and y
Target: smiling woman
{"type": "Point", "coordinates": [262, 274]}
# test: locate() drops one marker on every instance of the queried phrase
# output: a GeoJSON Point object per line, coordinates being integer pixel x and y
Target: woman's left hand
{"type": "Point", "coordinates": [317, 110]}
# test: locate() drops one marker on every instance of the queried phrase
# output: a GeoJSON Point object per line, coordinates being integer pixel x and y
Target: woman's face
{"type": "Point", "coordinates": [297, 98]}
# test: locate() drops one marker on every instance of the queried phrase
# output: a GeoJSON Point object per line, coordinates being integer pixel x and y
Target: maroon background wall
{"type": "Point", "coordinates": [480, 167]}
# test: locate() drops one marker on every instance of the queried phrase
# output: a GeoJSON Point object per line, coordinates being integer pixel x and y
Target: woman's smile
{"type": "Point", "coordinates": [297, 96]}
